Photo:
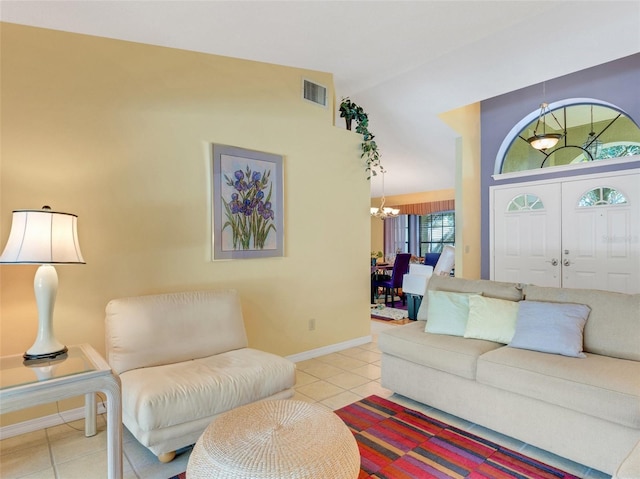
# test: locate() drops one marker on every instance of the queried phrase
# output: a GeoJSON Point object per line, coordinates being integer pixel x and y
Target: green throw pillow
{"type": "Point", "coordinates": [491, 319]}
{"type": "Point", "coordinates": [447, 312]}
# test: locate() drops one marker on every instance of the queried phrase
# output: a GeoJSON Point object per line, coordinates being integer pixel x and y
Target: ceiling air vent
{"type": "Point", "coordinates": [314, 93]}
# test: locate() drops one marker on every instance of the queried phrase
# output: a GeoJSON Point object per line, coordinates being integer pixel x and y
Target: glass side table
{"type": "Point", "coordinates": [80, 371]}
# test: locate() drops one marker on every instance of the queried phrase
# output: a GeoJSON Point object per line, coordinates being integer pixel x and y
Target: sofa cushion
{"type": "Point", "coordinates": [451, 354]}
{"type": "Point", "coordinates": [490, 289]}
{"type": "Point", "coordinates": [164, 396]}
{"type": "Point", "coordinates": [600, 386]}
{"type": "Point", "coordinates": [448, 312]}
{"type": "Point", "coordinates": [492, 319]}
{"type": "Point", "coordinates": [161, 329]}
{"type": "Point", "coordinates": [551, 327]}
{"type": "Point", "coordinates": [613, 327]}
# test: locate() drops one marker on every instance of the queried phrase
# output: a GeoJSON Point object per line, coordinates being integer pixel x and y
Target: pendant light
{"type": "Point", "coordinates": [544, 140]}
{"type": "Point", "coordinates": [592, 145]}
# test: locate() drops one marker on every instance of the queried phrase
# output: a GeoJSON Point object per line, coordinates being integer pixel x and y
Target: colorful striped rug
{"type": "Point", "coordinates": [396, 442]}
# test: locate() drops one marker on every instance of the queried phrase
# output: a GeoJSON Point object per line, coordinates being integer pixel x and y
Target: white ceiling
{"type": "Point", "coordinates": [404, 62]}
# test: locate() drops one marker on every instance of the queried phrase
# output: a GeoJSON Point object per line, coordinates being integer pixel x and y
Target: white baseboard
{"type": "Point", "coordinates": [78, 413]}
{"type": "Point", "coordinates": [39, 423]}
{"type": "Point", "coordinates": [332, 348]}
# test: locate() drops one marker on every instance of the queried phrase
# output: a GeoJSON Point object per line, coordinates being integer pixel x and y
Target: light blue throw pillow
{"type": "Point", "coordinates": [554, 328]}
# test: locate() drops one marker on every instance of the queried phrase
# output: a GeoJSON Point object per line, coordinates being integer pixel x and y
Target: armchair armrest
{"type": "Point", "coordinates": [415, 281]}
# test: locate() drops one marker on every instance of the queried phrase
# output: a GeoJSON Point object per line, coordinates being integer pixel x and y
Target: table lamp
{"type": "Point", "coordinates": [46, 238]}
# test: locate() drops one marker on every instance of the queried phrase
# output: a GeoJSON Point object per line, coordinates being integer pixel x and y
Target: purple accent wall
{"type": "Point", "coordinates": [616, 82]}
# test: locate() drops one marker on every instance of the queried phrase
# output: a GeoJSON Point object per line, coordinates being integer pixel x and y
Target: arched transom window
{"type": "Point", "coordinates": [525, 202]}
{"type": "Point", "coordinates": [602, 196]}
{"type": "Point", "coordinates": [588, 130]}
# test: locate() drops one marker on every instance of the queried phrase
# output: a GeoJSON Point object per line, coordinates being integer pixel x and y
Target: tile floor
{"type": "Point", "coordinates": [334, 380]}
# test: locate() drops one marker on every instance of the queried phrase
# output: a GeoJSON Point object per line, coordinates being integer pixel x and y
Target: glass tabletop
{"type": "Point", "coordinates": [15, 371]}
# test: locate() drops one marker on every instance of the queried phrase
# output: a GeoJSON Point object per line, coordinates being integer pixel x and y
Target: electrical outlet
{"type": "Point", "coordinates": [312, 324]}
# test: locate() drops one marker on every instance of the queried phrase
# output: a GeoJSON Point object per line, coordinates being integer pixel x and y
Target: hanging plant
{"type": "Point", "coordinates": [353, 112]}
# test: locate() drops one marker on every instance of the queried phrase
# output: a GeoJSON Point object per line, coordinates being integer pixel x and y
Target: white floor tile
{"type": "Point", "coordinates": [69, 443]}
{"type": "Point", "coordinates": [323, 370]}
{"type": "Point", "coordinates": [303, 378]}
{"type": "Point", "coordinates": [369, 371]}
{"type": "Point", "coordinates": [341, 400]}
{"type": "Point", "coordinates": [24, 461]}
{"type": "Point", "coordinates": [23, 441]}
{"type": "Point", "coordinates": [341, 361]}
{"type": "Point", "coordinates": [347, 380]}
{"type": "Point", "coordinates": [320, 390]}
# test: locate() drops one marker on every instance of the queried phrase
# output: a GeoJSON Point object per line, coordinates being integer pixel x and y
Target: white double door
{"type": "Point", "coordinates": [578, 232]}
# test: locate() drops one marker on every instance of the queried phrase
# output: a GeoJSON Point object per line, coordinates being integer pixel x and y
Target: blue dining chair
{"type": "Point", "coordinates": [431, 259]}
{"type": "Point", "coordinates": [393, 282]}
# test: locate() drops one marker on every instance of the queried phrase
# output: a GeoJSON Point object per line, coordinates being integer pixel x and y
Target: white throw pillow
{"type": "Point", "coordinates": [447, 312]}
{"type": "Point", "coordinates": [491, 319]}
{"type": "Point", "coordinates": [554, 328]}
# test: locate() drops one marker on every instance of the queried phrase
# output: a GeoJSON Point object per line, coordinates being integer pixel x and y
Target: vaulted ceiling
{"type": "Point", "coordinates": [405, 62]}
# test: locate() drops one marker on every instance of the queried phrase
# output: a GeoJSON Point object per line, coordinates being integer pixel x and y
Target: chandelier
{"type": "Point", "coordinates": [384, 212]}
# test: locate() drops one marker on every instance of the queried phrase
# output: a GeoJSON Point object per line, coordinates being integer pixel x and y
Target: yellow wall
{"type": "Point", "coordinates": [118, 133]}
{"type": "Point", "coordinates": [466, 121]}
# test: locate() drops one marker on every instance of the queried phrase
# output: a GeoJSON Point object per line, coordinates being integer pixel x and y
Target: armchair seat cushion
{"type": "Point", "coordinates": [164, 396]}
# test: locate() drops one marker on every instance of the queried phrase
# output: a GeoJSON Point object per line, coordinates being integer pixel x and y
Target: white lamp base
{"type": "Point", "coordinates": [45, 286]}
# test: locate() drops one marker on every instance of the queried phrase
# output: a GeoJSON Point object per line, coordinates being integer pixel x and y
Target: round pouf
{"type": "Point", "coordinates": [276, 440]}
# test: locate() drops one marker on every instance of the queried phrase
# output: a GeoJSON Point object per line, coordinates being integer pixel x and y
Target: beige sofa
{"type": "Point", "coordinates": [183, 359]}
{"type": "Point", "coordinates": [585, 409]}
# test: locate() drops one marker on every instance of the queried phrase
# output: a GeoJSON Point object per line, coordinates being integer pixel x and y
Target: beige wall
{"type": "Point", "coordinates": [118, 133]}
{"type": "Point", "coordinates": [466, 121]}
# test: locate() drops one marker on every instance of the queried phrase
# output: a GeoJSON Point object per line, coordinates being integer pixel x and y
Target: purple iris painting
{"type": "Point", "coordinates": [247, 203]}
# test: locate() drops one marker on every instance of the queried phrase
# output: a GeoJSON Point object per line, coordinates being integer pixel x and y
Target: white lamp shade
{"type": "Point", "coordinates": [42, 237]}
{"type": "Point", "coordinates": [543, 142]}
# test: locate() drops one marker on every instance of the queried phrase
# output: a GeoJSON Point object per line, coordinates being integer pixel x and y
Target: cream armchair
{"type": "Point", "coordinates": [414, 283]}
{"type": "Point", "coordinates": [183, 359]}
{"type": "Point", "coordinates": [446, 262]}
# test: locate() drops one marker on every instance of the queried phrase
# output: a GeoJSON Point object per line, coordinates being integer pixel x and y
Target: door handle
{"type": "Point", "coordinates": [554, 262]}
{"type": "Point", "coordinates": [566, 262]}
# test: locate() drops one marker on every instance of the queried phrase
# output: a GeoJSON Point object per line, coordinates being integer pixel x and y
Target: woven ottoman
{"type": "Point", "coordinates": [276, 439]}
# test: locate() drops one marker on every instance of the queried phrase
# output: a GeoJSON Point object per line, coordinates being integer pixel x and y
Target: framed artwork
{"type": "Point", "coordinates": [247, 203]}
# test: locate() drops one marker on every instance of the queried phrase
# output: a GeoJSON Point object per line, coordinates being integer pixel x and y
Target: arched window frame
{"type": "Point", "coordinates": [518, 127]}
